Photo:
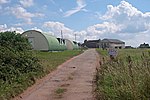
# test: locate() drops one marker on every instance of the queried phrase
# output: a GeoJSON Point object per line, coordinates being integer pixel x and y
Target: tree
{"type": "Point", "coordinates": [16, 57]}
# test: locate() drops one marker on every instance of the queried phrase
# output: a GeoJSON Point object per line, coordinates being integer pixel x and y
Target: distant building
{"type": "Point", "coordinates": [105, 43]}
{"type": "Point", "coordinates": [92, 43]}
{"type": "Point", "coordinates": [129, 47]}
{"type": "Point", "coordinates": [144, 45]}
{"type": "Point", "coordinates": [112, 43]}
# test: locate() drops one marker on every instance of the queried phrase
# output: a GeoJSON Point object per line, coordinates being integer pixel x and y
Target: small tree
{"type": "Point", "coordinates": [14, 40]}
{"type": "Point", "coordinates": [16, 57]}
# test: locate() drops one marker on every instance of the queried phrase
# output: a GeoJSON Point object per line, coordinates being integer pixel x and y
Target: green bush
{"type": "Point", "coordinates": [18, 65]}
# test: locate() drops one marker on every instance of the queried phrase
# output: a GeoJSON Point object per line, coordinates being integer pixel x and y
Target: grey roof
{"type": "Point", "coordinates": [112, 40]}
{"type": "Point", "coordinates": [93, 41]}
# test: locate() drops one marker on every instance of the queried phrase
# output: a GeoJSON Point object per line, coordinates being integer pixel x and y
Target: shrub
{"type": "Point", "coordinates": [18, 65]}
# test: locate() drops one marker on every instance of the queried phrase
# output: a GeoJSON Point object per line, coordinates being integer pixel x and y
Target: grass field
{"type": "Point", "coordinates": [127, 77]}
{"type": "Point", "coordinates": [49, 62]}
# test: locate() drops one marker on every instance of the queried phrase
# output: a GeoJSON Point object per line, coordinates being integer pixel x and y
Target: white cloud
{"type": "Point", "coordinates": [80, 36]}
{"type": "Point", "coordinates": [80, 7]}
{"type": "Point", "coordinates": [22, 13]}
{"type": "Point", "coordinates": [27, 3]}
{"type": "Point", "coordinates": [4, 28]}
{"type": "Point", "coordinates": [124, 22]}
{"type": "Point", "coordinates": [17, 29]}
{"type": "Point", "coordinates": [18, 24]}
{"type": "Point", "coordinates": [4, 1]}
{"type": "Point", "coordinates": [35, 28]}
{"type": "Point", "coordinates": [56, 28]}
{"type": "Point", "coordinates": [105, 27]}
{"type": "Point", "coordinates": [137, 39]}
{"type": "Point", "coordinates": [130, 18]}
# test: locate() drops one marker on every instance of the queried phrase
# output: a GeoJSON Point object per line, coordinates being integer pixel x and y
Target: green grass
{"type": "Point", "coordinates": [102, 52]}
{"type": "Point", "coordinates": [49, 62]}
{"type": "Point", "coordinates": [125, 78]}
{"type": "Point", "coordinates": [60, 91]}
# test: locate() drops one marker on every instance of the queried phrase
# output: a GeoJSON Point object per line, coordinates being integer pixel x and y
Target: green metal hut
{"type": "Point", "coordinates": [42, 41]}
{"type": "Point", "coordinates": [75, 45]}
{"type": "Point", "coordinates": [71, 45]}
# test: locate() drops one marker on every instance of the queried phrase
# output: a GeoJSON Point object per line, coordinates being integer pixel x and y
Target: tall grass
{"type": "Point", "coordinates": [125, 78]}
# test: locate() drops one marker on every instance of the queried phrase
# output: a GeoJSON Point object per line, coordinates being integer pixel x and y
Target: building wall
{"type": "Point", "coordinates": [91, 44]}
{"type": "Point", "coordinates": [37, 40]}
{"type": "Point", "coordinates": [112, 45]}
{"type": "Point", "coordinates": [119, 46]}
{"type": "Point", "coordinates": [105, 45]}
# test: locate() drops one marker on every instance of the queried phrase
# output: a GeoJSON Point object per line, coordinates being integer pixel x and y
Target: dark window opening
{"type": "Point", "coordinates": [61, 41]}
{"type": "Point", "coordinates": [74, 42]}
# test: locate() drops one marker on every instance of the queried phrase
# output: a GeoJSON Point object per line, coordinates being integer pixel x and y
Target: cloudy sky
{"type": "Point", "coordinates": [127, 20]}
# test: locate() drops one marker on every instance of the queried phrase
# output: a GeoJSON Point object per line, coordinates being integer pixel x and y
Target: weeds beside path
{"type": "Point", "coordinates": [125, 78]}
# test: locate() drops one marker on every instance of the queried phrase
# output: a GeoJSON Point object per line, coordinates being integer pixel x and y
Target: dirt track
{"type": "Point", "coordinates": [71, 81]}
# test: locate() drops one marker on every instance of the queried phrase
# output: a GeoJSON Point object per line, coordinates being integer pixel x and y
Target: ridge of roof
{"type": "Point", "coordinates": [112, 40]}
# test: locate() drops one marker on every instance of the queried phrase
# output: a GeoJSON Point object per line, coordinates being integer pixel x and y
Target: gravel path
{"type": "Point", "coordinates": [73, 80]}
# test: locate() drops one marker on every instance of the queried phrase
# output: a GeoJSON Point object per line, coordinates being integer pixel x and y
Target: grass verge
{"type": "Point", "coordinates": [125, 78]}
{"type": "Point", "coordinates": [50, 60]}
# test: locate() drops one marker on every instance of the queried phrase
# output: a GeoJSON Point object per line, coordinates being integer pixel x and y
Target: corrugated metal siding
{"type": "Point", "coordinates": [40, 42]}
{"type": "Point", "coordinates": [69, 44]}
{"type": "Point", "coordinates": [75, 45]}
{"type": "Point", "coordinates": [54, 43]}
{"type": "Point", "coordinates": [43, 41]}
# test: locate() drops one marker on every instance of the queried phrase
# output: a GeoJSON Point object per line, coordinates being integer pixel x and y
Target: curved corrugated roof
{"type": "Point", "coordinates": [52, 41]}
{"type": "Point", "coordinates": [73, 43]}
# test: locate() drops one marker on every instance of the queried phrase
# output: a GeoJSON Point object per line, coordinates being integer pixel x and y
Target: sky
{"type": "Point", "coordinates": [126, 20]}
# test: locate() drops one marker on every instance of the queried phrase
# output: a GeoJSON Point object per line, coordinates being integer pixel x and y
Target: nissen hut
{"type": "Point", "coordinates": [44, 42]}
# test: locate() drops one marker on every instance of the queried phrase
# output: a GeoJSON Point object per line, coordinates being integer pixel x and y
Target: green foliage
{"type": "Point", "coordinates": [18, 66]}
{"type": "Point", "coordinates": [60, 90]}
{"type": "Point", "coordinates": [102, 52]}
{"type": "Point", "coordinates": [125, 78]}
{"type": "Point", "coordinates": [14, 41]}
